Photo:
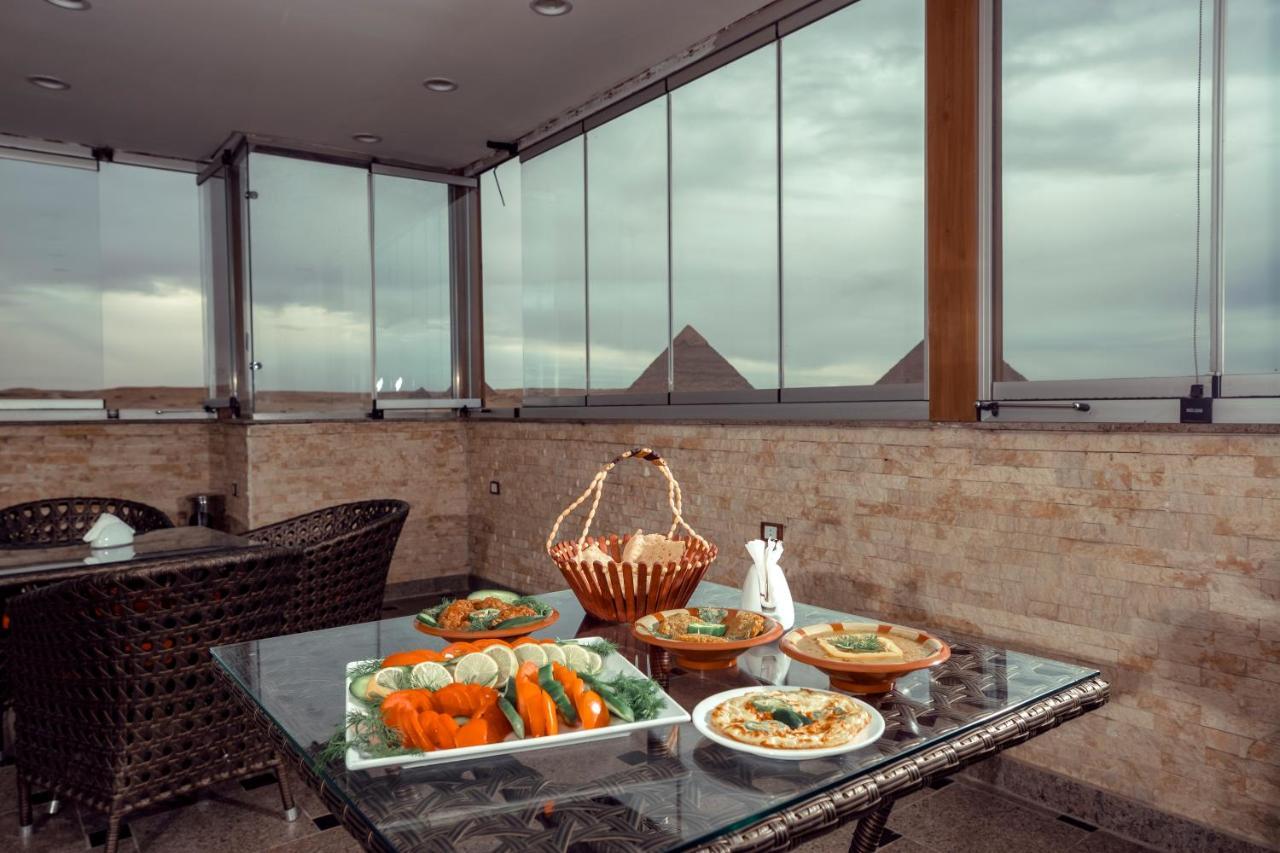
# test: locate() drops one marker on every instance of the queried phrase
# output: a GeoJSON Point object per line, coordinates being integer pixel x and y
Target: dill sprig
{"type": "Point", "coordinates": [537, 606]}
{"type": "Point", "coordinates": [368, 667]}
{"type": "Point", "coordinates": [599, 645]}
{"type": "Point", "coordinates": [858, 643]}
{"type": "Point", "coordinates": [369, 735]}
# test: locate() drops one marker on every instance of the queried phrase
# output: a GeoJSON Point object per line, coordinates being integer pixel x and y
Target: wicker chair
{"type": "Point", "coordinates": [347, 551]}
{"type": "Point", "coordinates": [121, 707]}
{"type": "Point", "coordinates": [62, 521]}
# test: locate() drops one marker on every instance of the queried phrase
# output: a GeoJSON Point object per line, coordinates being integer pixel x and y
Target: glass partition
{"type": "Point", "coordinates": [215, 272]}
{"type": "Point", "coordinates": [552, 225]}
{"type": "Point", "coordinates": [724, 228]}
{"type": "Point", "coordinates": [1251, 192]}
{"type": "Point", "coordinates": [412, 302]}
{"type": "Point", "coordinates": [500, 242]}
{"type": "Point", "coordinates": [311, 285]}
{"type": "Point", "coordinates": [853, 197]}
{"type": "Point", "coordinates": [50, 282]}
{"type": "Point", "coordinates": [1099, 202]}
{"type": "Point", "coordinates": [627, 251]}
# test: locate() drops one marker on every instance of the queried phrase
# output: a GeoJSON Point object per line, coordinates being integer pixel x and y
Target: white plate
{"type": "Point", "coordinates": [614, 665]}
{"type": "Point", "coordinates": [702, 722]}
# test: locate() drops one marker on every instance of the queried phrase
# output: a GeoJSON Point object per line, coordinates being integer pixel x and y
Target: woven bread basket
{"type": "Point", "coordinates": [619, 591]}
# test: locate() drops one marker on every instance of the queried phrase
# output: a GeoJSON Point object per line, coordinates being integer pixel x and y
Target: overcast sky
{"type": "Point", "coordinates": [100, 272]}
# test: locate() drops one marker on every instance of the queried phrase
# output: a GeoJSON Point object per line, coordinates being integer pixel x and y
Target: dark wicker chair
{"type": "Point", "coordinates": [63, 521]}
{"type": "Point", "coordinates": [121, 707]}
{"type": "Point", "coordinates": [347, 550]}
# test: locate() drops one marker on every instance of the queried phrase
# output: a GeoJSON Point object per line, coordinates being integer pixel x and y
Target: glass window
{"type": "Point", "coordinates": [152, 294]}
{"type": "Point", "coordinates": [413, 338]}
{"type": "Point", "coordinates": [853, 197]}
{"type": "Point", "coordinates": [503, 294]}
{"type": "Point", "coordinates": [627, 251]}
{"type": "Point", "coordinates": [311, 285]}
{"type": "Point", "coordinates": [215, 271]}
{"type": "Point", "coordinates": [1098, 159]}
{"type": "Point", "coordinates": [724, 227]}
{"type": "Point", "coordinates": [555, 351]}
{"type": "Point", "coordinates": [1251, 190]}
{"type": "Point", "coordinates": [50, 282]}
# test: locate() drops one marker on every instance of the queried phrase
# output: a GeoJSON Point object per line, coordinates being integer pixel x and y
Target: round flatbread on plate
{"type": "Point", "coordinates": [759, 721]}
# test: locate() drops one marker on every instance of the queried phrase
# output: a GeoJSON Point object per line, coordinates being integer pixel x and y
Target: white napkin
{"type": "Point", "coordinates": [109, 532]}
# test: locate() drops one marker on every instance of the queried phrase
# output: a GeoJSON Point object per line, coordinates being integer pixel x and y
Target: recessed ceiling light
{"type": "Point", "coordinates": [73, 5]}
{"type": "Point", "coordinates": [551, 8]}
{"type": "Point", "coordinates": [367, 138]}
{"type": "Point", "coordinates": [440, 84]}
{"type": "Point", "coordinates": [44, 81]}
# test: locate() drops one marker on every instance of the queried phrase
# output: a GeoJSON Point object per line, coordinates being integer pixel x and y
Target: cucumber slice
{"type": "Point", "coordinates": [711, 629]}
{"type": "Point", "coordinates": [513, 717]}
{"type": "Point", "coordinates": [359, 685]}
{"type": "Point", "coordinates": [553, 688]}
{"type": "Point", "coordinates": [617, 707]}
{"type": "Point", "coordinates": [519, 621]}
{"type": "Point", "coordinates": [500, 594]}
{"type": "Point", "coordinates": [427, 619]}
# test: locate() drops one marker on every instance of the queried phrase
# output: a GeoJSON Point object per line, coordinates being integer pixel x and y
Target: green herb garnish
{"type": "Point", "coordinates": [369, 735]}
{"type": "Point", "coordinates": [369, 667]}
{"type": "Point", "coordinates": [539, 607]}
{"type": "Point", "coordinates": [642, 695]}
{"type": "Point", "coordinates": [599, 645]}
{"type": "Point", "coordinates": [714, 615]}
{"type": "Point", "coordinates": [858, 643]}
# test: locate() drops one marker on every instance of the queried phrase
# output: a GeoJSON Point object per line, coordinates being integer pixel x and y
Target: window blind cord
{"type": "Point", "coordinates": [1195, 304]}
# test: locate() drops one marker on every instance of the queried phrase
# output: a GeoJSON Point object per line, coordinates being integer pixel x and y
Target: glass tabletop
{"type": "Point", "coordinates": [153, 545]}
{"type": "Point", "coordinates": [662, 789]}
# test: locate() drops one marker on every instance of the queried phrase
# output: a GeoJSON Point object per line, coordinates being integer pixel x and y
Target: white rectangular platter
{"type": "Point", "coordinates": [614, 665]}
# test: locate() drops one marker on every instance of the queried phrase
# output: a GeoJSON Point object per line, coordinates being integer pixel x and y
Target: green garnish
{"type": "Point", "coordinates": [369, 735]}
{"type": "Point", "coordinates": [641, 695]}
{"type": "Point", "coordinates": [599, 645]}
{"type": "Point", "coordinates": [482, 620]}
{"type": "Point", "coordinates": [539, 607]}
{"type": "Point", "coordinates": [716, 615]}
{"type": "Point", "coordinates": [369, 667]}
{"type": "Point", "coordinates": [858, 643]}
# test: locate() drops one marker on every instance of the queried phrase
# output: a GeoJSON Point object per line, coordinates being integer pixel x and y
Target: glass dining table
{"type": "Point", "coordinates": [665, 788]}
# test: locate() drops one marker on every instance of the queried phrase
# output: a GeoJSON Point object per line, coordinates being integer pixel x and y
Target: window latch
{"type": "Point", "coordinates": [994, 406]}
{"type": "Point", "coordinates": [255, 365]}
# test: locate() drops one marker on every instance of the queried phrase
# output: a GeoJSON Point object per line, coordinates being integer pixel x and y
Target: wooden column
{"type": "Point", "coordinates": [951, 105]}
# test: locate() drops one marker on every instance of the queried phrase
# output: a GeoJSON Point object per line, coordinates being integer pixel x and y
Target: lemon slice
{"type": "Point", "coordinates": [388, 681]}
{"type": "Point", "coordinates": [429, 675]}
{"type": "Point", "coordinates": [531, 651]}
{"type": "Point", "coordinates": [476, 668]}
{"type": "Point", "coordinates": [506, 660]}
{"type": "Point", "coordinates": [575, 657]}
{"type": "Point", "coordinates": [554, 654]}
{"type": "Point", "coordinates": [595, 661]}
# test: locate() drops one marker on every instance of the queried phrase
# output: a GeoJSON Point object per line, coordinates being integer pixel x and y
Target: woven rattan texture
{"type": "Point", "coordinates": [121, 706]}
{"type": "Point", "coordinates": [628, 811]}
{"type": "Point", "coordinates": [62, 521]}
{"type": "Point", "coordinates": [347, 552]}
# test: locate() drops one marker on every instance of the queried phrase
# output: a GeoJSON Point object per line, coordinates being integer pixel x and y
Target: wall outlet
{"type": "Point", "coordinates": [495, 488]}
{"type": "Point", "coordinates": [771, 530]}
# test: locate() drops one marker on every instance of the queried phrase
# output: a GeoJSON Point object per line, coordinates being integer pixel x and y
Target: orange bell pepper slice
{"type": "Point", "coordinates": [484, 644]}
{"type": "Point", "coordinates": [411, 658]}
{"type": "Point", "coordinates": [457, 650]}
{"type": "Point", "coordinates": [529, 706]}
{"type": "Point", "coordinates": [499, 728]}
{"type": "Point", "coordinates": [524, 641]}
{"type": "Point", "coordinates": [442, 729]}
{"type": "Point", "coordinates": [405, 703]}
{"type": "Point", "coordinates": [528, 671]}
{"type": "Point", "coordinates": [569, 680]}
{"type": "Point", "coordinates": [474, 733]}
{"type": "Point", "coordinates": [549, 710]}
{"type": "Point", "coordinates": [592, 710]}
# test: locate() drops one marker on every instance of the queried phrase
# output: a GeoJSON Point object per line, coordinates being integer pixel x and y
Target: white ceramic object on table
{"type": "Point", "coordinates": [118, 554]}
{"type": "Point", "coordinates": [766, 590]}
{"type": "Point", "coordinates": [766, 663]}
{"type": "Point", "coordinates": [109, 532]}
{"type": "Point", "coordinates": [702, 722]}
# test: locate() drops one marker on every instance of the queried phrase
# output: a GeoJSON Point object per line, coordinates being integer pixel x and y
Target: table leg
{"type": "Point", "coordinates": [866, 835]}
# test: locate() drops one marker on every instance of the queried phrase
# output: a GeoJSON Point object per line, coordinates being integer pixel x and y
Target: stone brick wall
{"type": "Point", "coordinates": [1152, 555]}
{"type": "Point", "coordinates": [157, 463]}
{"type": "Point", "coordinates": [297, 467]}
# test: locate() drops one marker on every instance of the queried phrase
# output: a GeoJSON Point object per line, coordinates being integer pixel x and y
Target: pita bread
{"type": "Point", "coordinates": [652, 549]}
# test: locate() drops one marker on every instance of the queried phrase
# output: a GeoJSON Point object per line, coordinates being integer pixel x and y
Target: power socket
{"type": "Point", "coordinates": [495, 488]}
{"type": "Point", "coordinates": [771, 530]}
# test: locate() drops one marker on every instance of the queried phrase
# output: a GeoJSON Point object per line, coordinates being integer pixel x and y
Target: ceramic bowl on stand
{"type": "Point", "coordinates": [856, 677]}
{"type": "Point", "coordinates": [705, 655]}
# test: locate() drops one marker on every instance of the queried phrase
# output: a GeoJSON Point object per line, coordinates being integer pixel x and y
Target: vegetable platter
{"type": "Point", "coordinates": [474, 699]}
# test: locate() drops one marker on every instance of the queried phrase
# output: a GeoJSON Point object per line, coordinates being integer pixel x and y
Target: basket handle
{"type": "Point", "coordinates": [674, 499]}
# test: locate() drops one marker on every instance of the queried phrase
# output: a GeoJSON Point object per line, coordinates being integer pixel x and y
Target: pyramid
{"type": "Point", "coordinates": [698, 367]}
{"type": "Point", "coordinates": [910, 369]}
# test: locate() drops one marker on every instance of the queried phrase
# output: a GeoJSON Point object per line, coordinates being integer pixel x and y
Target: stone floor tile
{"type": "Point", "coordinates": [60, 833]}
{"type": "Point", "coordinates": [336, 840]}
{"type": "Point", "coordinates": [964, 819]}
{"type": "Point", "coordinates": [906, 845]}
{"type": "Point", "coordinates": [220, 821]}
{"type": "Point", "coordinates": [1105, 842]}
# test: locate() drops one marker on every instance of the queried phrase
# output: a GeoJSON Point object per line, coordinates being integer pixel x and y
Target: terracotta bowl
{"type": "Point", "coordinates": [864, 677]}
{"type": "Point", "coordinates": [702, 656]}
{"type": "Point", "coordinates": [454, 635]}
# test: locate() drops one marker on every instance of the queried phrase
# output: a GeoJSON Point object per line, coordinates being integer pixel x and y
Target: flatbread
{"type": "Point", "coordinates": [836, 720]}
{"type": "Point", "coordinates": [652, 549]}
{"type": "Point", "coordinates": [889, 652]}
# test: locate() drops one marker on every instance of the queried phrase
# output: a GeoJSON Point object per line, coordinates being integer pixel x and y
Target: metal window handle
{"type": "Point", "coordinates": [994, 406]}
{"type": "Point", "coordinates": [255, 365]}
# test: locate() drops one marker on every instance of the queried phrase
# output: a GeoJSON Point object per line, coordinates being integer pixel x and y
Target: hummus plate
{"type": "Point", "coordinates": [703, 722]}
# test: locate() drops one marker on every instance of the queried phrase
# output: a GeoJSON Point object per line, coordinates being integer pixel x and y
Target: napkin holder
{"type": "Point", "coordinates": [765, 590]}
{"type": "Point", "coordinates": [108, 532]}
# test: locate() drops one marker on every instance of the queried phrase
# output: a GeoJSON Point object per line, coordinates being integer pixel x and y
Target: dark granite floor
{"type": "Point", "coordinates": [959, 816]}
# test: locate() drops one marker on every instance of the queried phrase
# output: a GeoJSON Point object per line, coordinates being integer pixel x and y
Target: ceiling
{"type": "Point", "coordinates": [176, 77]}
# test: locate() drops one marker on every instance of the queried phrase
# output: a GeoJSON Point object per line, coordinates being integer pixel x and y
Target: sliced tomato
{"type": "Point", "coordinates": [474, 733]}
{"type": "Point", "coordinates": [411, 658]}
{"type": "Point", "coordinates": [457, 650]}
{"type": "Point", "coordinates": [592, 710]}
{"type": "Point", "coordinates": [549, 712]}
{"type": "Point", "coordinates": [442, 728]}
{"type": "Point", "coordinates": [463, 700]}
{"type": "Point", "coordinates": [414, 733]}
{"type": "Point", "coordinates": [405, 703]}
